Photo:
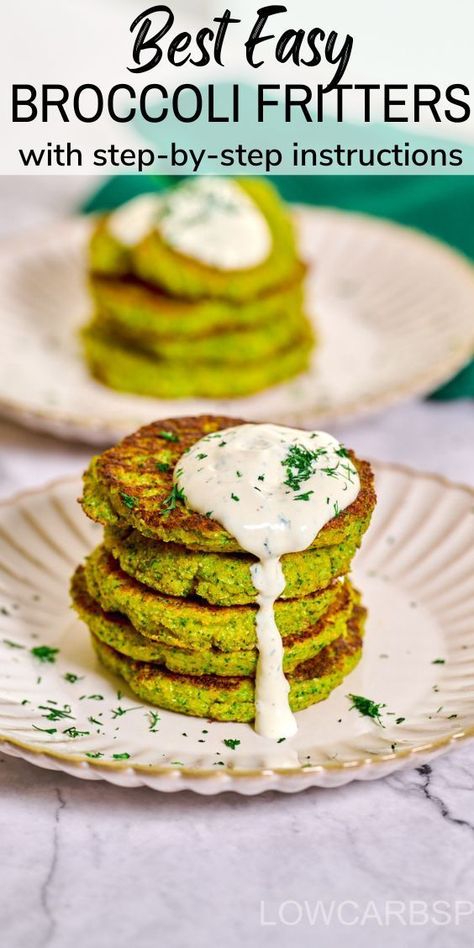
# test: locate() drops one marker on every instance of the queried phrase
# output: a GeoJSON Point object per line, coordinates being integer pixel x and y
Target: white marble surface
{"type": "Point", "coordinates": [91, 864]}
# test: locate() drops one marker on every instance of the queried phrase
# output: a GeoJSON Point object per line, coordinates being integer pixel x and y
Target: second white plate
{"type": "Point", "coordinates": [392, 308]}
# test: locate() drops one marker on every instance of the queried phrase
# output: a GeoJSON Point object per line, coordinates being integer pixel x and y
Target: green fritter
{"type": "Point", "coordinates": [232, 348]}
{"type": "Point", "coordinates": [154, 261]}
{"type": "Point", "coordinates": [233, 699]}
{"type": "Point", "coordinates": [158, 263]}
{"type": "Point", "coordinates": [115, 630]}
{"type": "Point", "coordinates": [107, 256]}
{"type": "Point", "coordinates": [128, 369]}
{"type": "Point", "coordinates": [193, 623]}
{"type": "Point", "coordinates": [223, 579]}
{"type": "Point", "coordinates": [131, 484]}
{"type": "Point", "coordinates": [146, 312]}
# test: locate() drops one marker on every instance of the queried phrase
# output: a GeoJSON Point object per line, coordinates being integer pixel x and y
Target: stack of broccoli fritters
{"type": "Point", "coordinates": [166, 325]}
{"type": "Point", "coordinates": [168, 595]}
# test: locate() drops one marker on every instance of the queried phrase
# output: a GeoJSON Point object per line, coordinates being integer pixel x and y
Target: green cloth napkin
{"type": "Point", "coordinates": [443, 206]}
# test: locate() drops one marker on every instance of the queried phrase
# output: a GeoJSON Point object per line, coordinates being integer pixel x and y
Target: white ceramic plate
{"type": "Point", "coordinates": [417, 577]}
{"type": "Point", "coordinates": [393, 311]}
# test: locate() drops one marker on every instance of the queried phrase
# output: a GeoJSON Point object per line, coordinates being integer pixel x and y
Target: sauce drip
{"type": "Point", "coordinates": [211, 220]}
{"type": "Point", "coordinates": [273, 489]}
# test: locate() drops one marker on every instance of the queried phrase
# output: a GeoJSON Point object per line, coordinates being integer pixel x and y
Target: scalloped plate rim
{"type": "Point", "coordinates": [170, 778]}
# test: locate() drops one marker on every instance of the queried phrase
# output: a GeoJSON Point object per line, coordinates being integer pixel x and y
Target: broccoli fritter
{"type": "Point", "coordinates": [193, 623]}
{"type": "Point", "coordinates": [146, 312]}
{"type": "Point", "coordinates": [116, 630]}
{"type": "Point", "coordinates": [233, 699]}
{"type": "Point", "coordinates": [157, 263]}
{"type": "Point", "coordinates": [128, 369]}
{"type": "Point", "coordinates": [131, 485]}
{"type": "Point", "coordinates": [223, 579]}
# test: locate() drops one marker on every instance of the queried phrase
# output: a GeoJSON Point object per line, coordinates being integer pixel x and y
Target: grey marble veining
{"type": "Point", "coordinates": [88, 863]}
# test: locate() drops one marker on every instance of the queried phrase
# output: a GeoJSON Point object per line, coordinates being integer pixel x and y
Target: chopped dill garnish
{"type": "Point", "coordinates": [349, 471]}
{"type": "Point", "coordinates": [162, 467]}
{"type": "Point", "coordinates": [231, 742]}
{"type": "Point", "coordinates": [128, 500]}
{"type": "Point", "coordinates": [399, 720]}
{"type": "Point", "coordinates": [438, 661]}
{"type": "Point", "coordinates": [234, 497]}
{"type": "Point", "coordinates": [168, 435]}
{"type": "Point", "coordinates": [118, 712]}
{"type": "Point", "coordinates": [72, 678]}
{"type": "Point", "coordinates": [367, 707]}
{"type": "Point", "coordinates": [123, 756]}
{"type": "Point", "coordinates": [44, 653]}
{"type": "Point", "coordinates": [201, 457]}
{"type": "Point", "coordinates": [73, 732]}
{"type": "Point", "coordinates": [153, 718]}
{"type": "Point", "coordinates": [300, 464]}
{"type": "Point", "coordinates": [57, 714]}
{"type": "Point", "coordinates": [239, 473]}
{"type": "Point", "coordinates": [176, 494]}
{"type": "Point", "coordinates": [94, 755]}
{"type": "Point", "coordinates": [12, 644]}
{"type": "Point", "coordinates": [305, 496]}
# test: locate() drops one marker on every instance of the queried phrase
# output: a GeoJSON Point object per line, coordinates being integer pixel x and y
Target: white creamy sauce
{"type": "Point", "coordinates": [211, 220]}
{"type": "Point", "coordinates": [135, 219]}
{"type": "Point", "coordinates": [273, 489]}
{"type": "Point", "coordinates": [214, 221]}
